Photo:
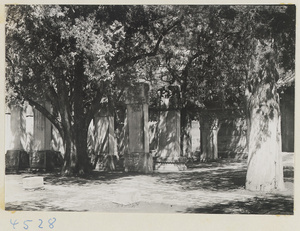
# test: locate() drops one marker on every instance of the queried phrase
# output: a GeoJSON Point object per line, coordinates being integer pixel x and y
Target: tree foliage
{"type": "Point", "coordinates": [77, 57]}
{"type": "Point", "coordinates": [82, 57]}
{"type": "Point", "coordinates": [209, 53]}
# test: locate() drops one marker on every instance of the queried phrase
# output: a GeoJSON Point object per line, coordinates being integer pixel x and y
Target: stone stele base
{"type": "Point", "coordinates": [138, 162]}
{"type": "Point", "coordinates": [169, 167]}
{"type": "Point", "coordinates": [16, 160]}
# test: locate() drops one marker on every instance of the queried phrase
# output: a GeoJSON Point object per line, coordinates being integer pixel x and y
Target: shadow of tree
{"type": "Point", "coordinates": [215, 176]}
{"type": "Point", "coordinates": [274, 205]}
{"type": "Point", "coordinates": [95, 178]}
{"type": "Point", "coordinates": [224, 177]}
{"type": "Point", "coordinates": [214, 180]}
{"type": "Point", "coordinates": [41, 205]}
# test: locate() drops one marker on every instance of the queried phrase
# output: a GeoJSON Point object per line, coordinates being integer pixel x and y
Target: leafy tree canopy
{"type": "Point", "coordinates": [209, 54]}
{"type": "Point", "coordinates": [78, 58]}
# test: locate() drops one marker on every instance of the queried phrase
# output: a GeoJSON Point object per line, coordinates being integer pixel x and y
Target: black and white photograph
{"type": "Point", "coordinates": [161, 109]}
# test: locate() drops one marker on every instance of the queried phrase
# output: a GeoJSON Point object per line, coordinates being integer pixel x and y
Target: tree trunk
{"type": "Point", "coordinates": [265, 169]}
{"type": "Point", "coordinates": [83, 165]}
{"type": "Point", "coordinates": [209, 138]}
{"type": "Point", "coordinates": [76, 127]}
{"type": "Point", "coordinates": [76, 158]}
{"type": "Point", "coordinates": [68, 139]}
{"type": "Point", "coordinates": [215, 131]}
{"type": "Point", "coordinates": [70, 158]}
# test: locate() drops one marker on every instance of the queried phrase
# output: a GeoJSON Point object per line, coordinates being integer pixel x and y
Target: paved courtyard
{"type": "Point", "coordinates": [216, 187]}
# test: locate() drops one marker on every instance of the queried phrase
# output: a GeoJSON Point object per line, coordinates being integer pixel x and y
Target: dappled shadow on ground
{"type": "Point", "coordinates": [221, 175]}
{"type": "Point", "coordinates": [214, 180]}
{"type": "Point", "coordinates": [40, 205]}
{"type": "Point", "coordinates": [213, 188]}
{"type": "Point", "coordinates": [210, 179]}
{"type": "Point", "coordinates": [214, 176]}
{"type": "Point", "coordinates": [272, 205]}
{"type": "Point", "coordinates": [94, 178]}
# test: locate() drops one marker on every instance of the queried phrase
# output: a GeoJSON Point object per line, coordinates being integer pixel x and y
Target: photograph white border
{"type": "Point", "coordinates": [75, 221]}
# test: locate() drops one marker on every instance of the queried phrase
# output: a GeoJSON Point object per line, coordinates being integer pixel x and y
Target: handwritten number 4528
{"type": "Point", "coordinates": [26, 223]}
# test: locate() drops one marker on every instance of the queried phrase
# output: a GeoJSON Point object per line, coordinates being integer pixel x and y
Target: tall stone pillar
{"type": "Point", "coordinates": [29, 128]}
{"type": "Point", "coordinates": [105, 137]}
{"type": "Point", "coordinates": [138, 158]}
{"type": "Point", "coordinates": [169, 153]}
{"type": "Point", "coordinates": [7, 129]}
{"type": "Point", "coordinates": [210, 125]}
{"type": "Point", "coordinates": [29, 120]}
{"type": "Point", "coordinates": [16, 158]}
{"type": "Point", "coordinates": [186, 135]}
{"type": "Point", "coordinates": [42, 129]}
{"type": "Point", "coordinates": [43, 157]}
{"type": "Point", "coordinates": [196, 139]}
{"type": "Point", "coordinates": [169, 136]}
{"type": "Point", "coordinates": [17, 128]}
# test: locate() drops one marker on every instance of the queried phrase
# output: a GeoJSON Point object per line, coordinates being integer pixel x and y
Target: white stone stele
{"type": "Point", "coordinates": [42, 128]}
{"type": "Point", "coordinates": [32, 183]}
{"type": "Point", "coordinates": [127, 197]}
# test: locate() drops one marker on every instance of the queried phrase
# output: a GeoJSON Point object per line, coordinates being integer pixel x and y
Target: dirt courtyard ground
{"type": "Point", "coordinates": [214, 188]}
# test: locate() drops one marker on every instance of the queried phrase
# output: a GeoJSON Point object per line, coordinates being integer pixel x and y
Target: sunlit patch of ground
{"type": "Point", "coordinates": [216, 187]}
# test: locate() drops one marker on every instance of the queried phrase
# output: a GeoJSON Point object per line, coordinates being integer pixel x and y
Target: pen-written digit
{"type": "Point", "coordinates": [15, 223]}
{"type": "Point", "coordinates": [40, 226]}
{"type": "Point", "coordinates": [51, 226]}
{"type": "Point", "coordinates": [26, 226]}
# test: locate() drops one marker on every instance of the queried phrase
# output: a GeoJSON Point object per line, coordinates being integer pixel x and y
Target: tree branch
{"type": "Point", "coordinates": [153, 52]}
{"type": "Point", "coordinates": [46, 113]}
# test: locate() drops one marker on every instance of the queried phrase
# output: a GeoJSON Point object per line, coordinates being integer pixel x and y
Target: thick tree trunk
{"type": "Point", "coordinates": [70, 158]}
{"type": "Point", "coordinates": [83, 165]}
{"type": "Point", "coordinates": [76, 127]}
{"type": "Point", "coordinates": [265, 169]}
{"type": "Point", "coordinates": [209, 138]}
{"type": "Point", "coordinates": [76, 158]}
